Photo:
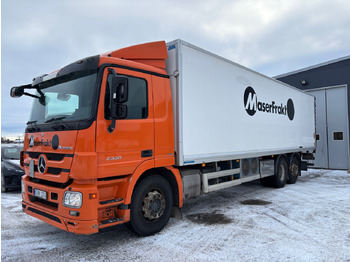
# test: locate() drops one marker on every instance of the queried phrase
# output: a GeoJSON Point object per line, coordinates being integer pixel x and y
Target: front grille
{"type": "Point", "coordinates": [50, 183]}
{"type": "Point", "coordinates": [52, 170]}
{"type": "Point", "coordinates": [50, 156]}
{"type": "Point", "coordinates": [56, 170]}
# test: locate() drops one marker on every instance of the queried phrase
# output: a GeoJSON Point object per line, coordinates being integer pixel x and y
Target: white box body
{"type": "Point", "coordinates": [225, 111]}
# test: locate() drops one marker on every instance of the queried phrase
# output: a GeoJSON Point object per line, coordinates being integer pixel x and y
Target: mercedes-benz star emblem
{"type": "Point", "coordinates": [42, 164]}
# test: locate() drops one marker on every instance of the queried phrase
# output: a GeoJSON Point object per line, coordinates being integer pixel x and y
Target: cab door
{"type": "Point", "coordinates": [132, 140]}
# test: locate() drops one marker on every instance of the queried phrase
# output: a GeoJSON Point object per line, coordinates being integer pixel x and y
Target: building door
{"type": "Point", "coordinates": [337, 118]}
{"type": "Point", "coordinates": [332, 132]}
{"type": "Point", "coordinates": [321, 156]}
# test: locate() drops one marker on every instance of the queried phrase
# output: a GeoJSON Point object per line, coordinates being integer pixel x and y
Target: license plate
{"type": "Point", "coordinates": [40, 194]}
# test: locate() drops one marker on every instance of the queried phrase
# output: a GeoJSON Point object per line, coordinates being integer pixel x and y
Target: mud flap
{"type": "Point", "coordinates": [304, 165]}
{"type": "Point", "coordinates": [176, 213]}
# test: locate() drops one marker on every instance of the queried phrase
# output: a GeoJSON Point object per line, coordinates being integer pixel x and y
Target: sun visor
{"type": "Point", "coordinates": [153, 53]}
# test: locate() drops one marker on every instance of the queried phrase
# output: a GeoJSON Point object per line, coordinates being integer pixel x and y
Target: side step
{"type": "Point", "coordinates": [110, 205]}
{"type": "Point", "coordinates": [111, 202]}
{"type": "Point", "coordinates": [110, 221]}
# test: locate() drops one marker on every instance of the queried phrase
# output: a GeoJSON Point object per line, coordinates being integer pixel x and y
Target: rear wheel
{"type": "Point", "coordinates": [294, 169]}
{"type": "Point", "coordinates": [281, 173]}
{"type": "Point", "coordinates": [151, 205]}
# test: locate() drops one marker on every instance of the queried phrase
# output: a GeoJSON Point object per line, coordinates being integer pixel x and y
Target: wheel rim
{"type": "Point", "coordinates": [153, 205]}
{"type": "Point", "coordinates": [295, 169]}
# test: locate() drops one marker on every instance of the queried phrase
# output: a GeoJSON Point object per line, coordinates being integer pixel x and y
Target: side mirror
{"type": "Point", "coordinates": [118, 95]}
{"type": "Point", "coordinates": [17, 91]}
{"type": "Point", "coordinates": [120, 84]}
{"type": "Point", "coordinates": [122, 111]}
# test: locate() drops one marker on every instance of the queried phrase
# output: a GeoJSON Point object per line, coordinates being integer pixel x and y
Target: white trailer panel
{"type": "Point", "coordinates": [224, 111]}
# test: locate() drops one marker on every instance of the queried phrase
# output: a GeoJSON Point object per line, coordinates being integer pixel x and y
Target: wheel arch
{"type": "Point", "coordinates": [171, 174]}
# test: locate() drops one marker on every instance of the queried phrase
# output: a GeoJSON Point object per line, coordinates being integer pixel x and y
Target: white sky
{"type": "Point", "coordinates": [270, 36]}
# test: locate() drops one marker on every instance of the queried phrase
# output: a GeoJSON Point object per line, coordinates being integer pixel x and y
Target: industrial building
{"type": "Point", "coordinates": [329, 82]}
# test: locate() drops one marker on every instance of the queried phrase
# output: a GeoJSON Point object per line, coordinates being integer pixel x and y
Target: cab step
{"type": "Point", "coordinates": [111, 221]}
{"type": "Point", "coordinates": [111, 203]}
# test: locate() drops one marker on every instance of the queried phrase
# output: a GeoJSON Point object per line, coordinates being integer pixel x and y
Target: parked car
{"type": "Point", "coordinates": [11, 172]}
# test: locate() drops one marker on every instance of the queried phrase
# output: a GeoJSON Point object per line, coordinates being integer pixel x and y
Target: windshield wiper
{"type": "Point", "coordinates": [33, 128]}
{"type": "Point", "coordinates": [60, 124]}
{"type": "Point", "coordinates": [55, 119]}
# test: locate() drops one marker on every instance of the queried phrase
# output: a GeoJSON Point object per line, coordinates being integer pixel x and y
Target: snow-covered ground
{"type": "Point", "coordinates": [308, 221]}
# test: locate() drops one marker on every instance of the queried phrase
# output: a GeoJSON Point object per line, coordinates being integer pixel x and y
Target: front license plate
{"type": "Point", "coordinates": [40, 194]}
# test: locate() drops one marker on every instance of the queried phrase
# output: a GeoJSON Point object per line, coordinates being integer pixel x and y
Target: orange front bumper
{"type": "Point", "coordinates": [67, 224]}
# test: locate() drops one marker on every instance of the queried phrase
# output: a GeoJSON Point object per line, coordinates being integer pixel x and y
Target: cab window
{"type": "Point", "coordinates": [137, 102]}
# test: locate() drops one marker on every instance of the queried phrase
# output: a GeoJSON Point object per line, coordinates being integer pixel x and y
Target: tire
{"type": "Point", "coordinates": [281, 173]}
{"type": "Point", "coordinates": [151, 206]}
{"type": "Point", "coordinates": [294, 169]}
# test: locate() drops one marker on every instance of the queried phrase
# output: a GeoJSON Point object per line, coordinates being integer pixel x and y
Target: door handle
{"type": "Point", "coordinates": [146, 153]}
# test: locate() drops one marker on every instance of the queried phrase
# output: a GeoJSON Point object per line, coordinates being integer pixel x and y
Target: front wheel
{"type": "Point", "coordinates": [151, 205]}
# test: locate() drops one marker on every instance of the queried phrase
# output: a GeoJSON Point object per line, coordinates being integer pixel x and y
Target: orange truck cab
{"type": "Point", "coordinates": [98, 128]}
{"type": "Point", "coordinates": [105, 146]}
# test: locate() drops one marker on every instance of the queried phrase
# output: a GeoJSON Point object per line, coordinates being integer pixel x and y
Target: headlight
{"type": "Point", "coordinates": [72, 199]}
{"type": "Point", "coordinates": [23, 187]}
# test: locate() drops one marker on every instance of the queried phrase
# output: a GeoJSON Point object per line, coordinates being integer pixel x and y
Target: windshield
{"type": "Point", "coordinates": [67, 98]}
